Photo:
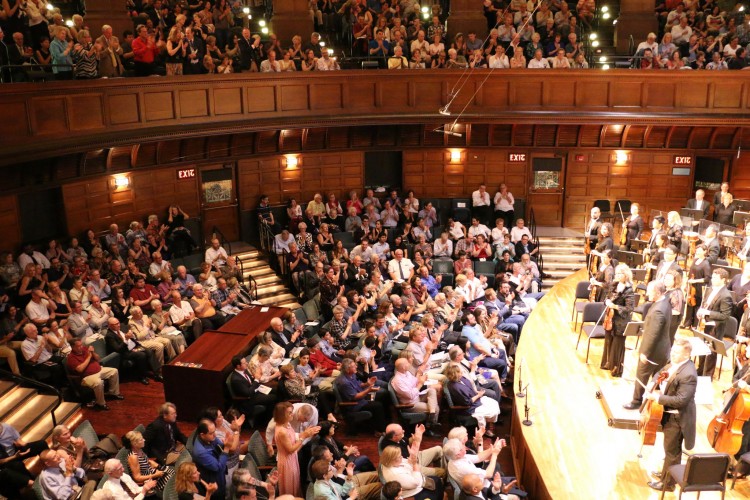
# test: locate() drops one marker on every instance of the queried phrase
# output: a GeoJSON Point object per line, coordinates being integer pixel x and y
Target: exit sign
{"type": "Point", "coordinates": [516, 157]}
{"type": "Point", "coordinates": [186, 173]}
{"type": "Point", "coordinates": [683, 160]}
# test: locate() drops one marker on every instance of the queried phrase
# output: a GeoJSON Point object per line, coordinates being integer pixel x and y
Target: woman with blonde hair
{"type": "Point", "coordinates": [288, 444]}
{"type": "Point", "coordinates": [141, 467]}
{"type": "Point", "coordinates": [187, 480]}
{"type": "Point", "coordinates": [175, 51]}
{"type": "Point", "coordinates": [621, 301]}
{"type": "Point", "coordinates": [674, 233]}
{"type": "Point", "coordinates": [484, 409]}
{"type": "Point", "coordinates": [408, 473]}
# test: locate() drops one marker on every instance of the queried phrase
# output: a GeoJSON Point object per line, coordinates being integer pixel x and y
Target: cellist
{"type": "Point", "coordinates": [741, 376]}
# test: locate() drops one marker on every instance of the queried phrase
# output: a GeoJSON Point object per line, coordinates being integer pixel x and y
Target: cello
{"type": "Point", "coordinates": [651, 414]}
{"type": "Point", "coordinates": [725, 430]}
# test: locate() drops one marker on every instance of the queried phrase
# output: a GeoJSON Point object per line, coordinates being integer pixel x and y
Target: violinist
{"type": "Point", "coordinates": [711, 241]}
{"type": "Point", "coordinates": [620, 302]}
{"type": "Point", "coordinates": [699, 276]}
{"type": "Point", "coordinates": [605, 241]}
{"type": "Point", "coordinates": [605, 273]}
{"type": "Point", "coordinates": [676, 297]}
{"type": "Point", "coordinates": [717, 307]}
{"type": "Point", "coordinates": [674, 233]}
{"type": "Point", "coordinates": [668, 263]}
{"type": "Point", "coordinates": [633, 225]}
{"type": "Point", "coordinates": [740, 286]}
{"type": "Point", "coordinates": [657, 228]}
{"type": "Point", "coordinates": [593, 228]}
{"type": "Point", "coordinates": [657, 254]}
{"type": "Point", "coordinates": [678, 423]}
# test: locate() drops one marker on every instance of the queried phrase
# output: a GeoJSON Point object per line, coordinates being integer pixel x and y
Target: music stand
{"type": "Point", "coordinates": [716, 346]}
{"type": "Point", "coordinates": [634, 329]}
{"type": "Point", "coordinates": [740, 218]}
{"type": "Point", "coordinates": [632, 259]}
{"type": "Point", "coordinates": [639, 274]}
{"type": "Point", "coordinates": [743, 205]}
{"type": "Point", "coordinates": [733, 271]}
{"type": "Point", "coordinates": [693, 213]}
{"type": "Point", "coordinates": [638, 245]}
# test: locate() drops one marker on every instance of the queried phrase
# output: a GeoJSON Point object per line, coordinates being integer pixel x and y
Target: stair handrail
{"type": "Point", "coordinates": [216, 232]}
{"type": "Point", "coordinates": [535, 241]}
{"type": "Point", "coordinates": [36, 383]}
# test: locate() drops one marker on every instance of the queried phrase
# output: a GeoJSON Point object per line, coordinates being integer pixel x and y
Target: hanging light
{"type": "Point", "coordinates": [262, 23]}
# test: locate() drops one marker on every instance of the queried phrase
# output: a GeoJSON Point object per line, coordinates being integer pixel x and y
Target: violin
{"type": "Point", "coordinates": [607, 321]}
{"type": "Point", "coordinates": [725, 430]}
{"type": "Point", "coordinates": [691, 300]}
{"type": "Point", "coordinates": [624, 232]}
{"type": "Point", "coordinates": [651, 414]}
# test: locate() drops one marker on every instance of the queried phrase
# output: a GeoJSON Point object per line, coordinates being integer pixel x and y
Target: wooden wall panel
{"type": "Point", "coordinates": [336, 173]}
{"type": "Point", "coordinates": [97, 203]}
{"type": "Point", "coordinates": [645, 177]}
{"type": "Point", "coordinates": [432, 174]}
{"type": "Point", "coordinates": [9, 222]}
{"type": "Point", "coordinates": [739, 179]}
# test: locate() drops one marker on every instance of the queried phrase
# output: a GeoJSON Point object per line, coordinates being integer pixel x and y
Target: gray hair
{"type": "Point", "coordinates": [452, 448]}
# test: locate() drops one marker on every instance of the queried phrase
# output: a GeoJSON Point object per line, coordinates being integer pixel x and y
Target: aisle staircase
{"type": "Point", "coordinates": [563, 255]}
{"type": "Point", "coordinates": [28, 411]}
{"type": "Point", "coordinates": [271, 288]}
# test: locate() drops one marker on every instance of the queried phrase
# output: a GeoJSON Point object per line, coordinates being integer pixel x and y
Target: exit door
{"type": "Point", "coordinates": [546, 188]}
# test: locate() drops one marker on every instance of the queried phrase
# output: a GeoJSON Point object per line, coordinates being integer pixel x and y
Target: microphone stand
{"type": "Point", "coordinates": [526, 421]}
{"type": "Point", "coordinates": [520, 393]}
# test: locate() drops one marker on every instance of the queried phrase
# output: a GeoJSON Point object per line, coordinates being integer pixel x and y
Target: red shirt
{"type": "Point", "coordinates": [76, 360]}
{"type": "Point", "coordinates": [144, 294]}
{"type": "Point", "coordinates": [320, 360]}
{"type": "Point", "coordinates": [142, 52]}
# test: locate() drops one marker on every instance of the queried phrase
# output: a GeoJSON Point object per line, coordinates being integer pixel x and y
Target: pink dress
{"type": "Point", "coordinates": [287, 463]}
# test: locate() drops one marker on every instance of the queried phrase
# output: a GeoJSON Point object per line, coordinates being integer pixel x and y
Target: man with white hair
{"type": "Point", "coordinates": [396, 436]}
{"type": "Point", "coordinates": [461, 464]}
{"type": "Point", "coordinates": [650, 43]}
{"type": "Point", "coordinates": [121, 485]}
{"type": "Point", "coordinates": [472, 488]}
{"type": "Point", "coordinates": [60, 477]}
{"type": "Point", "coordinates": [216, 255]}
{"type": "Point", "coordinates": [304, 415]}
{"type": "Point", "coordinates": [408, 391]}
{"type": "Point", "coordinates": [110, 62]}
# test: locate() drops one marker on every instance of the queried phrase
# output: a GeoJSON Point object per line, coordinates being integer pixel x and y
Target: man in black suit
{"type": "Point", "coordinates": [678, 398]}
{"type": "Point", "coordinates": [712, 243]}
{"type": "Point", "coordinates": [130, 350]}
{"type": "Point", "coordinates": [472, 488]}
{"type": "Point", "coordinates": [654, 350]}
{"type": "Point", "coordinates": [717, 307]}
{"type": "Point", "coordinates": [698, 203]}
{"type": "Point", "coordinates": [668, 263]}
{"type": "Point", "coordinates": [245, 386]}
{"type": "Point", "coordinates": [282, 337]}
{"type": "Point", "coordinates": [657, 228]}
{"type": "Point", "coordinates": [164, 440]}
{"type": "Point", "coordinates": [719, 194]}
{"type": "Point", "coordinates": [525, 246]}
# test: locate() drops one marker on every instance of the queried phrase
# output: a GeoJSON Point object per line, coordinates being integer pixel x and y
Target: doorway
{"type": "Point", "coordinates": [219, 201]}
{"type": "Point", "coordinates": [546, 189]}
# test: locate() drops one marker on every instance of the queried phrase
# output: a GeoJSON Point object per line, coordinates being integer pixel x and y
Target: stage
{"type": "Point", "coordinates": [573, 449]}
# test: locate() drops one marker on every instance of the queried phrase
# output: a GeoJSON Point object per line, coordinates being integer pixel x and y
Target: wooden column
{"type": "Point", "coordinates": [101, 12]}
{"type": "Point", "coordinates": [291, 17]}
{"type": "Point", "coordinates": [637, 18]}
{"type": "Point", "coordinates": [465, 16]}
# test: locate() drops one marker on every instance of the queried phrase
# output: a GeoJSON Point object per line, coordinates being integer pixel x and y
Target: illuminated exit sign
{"type": "Point", "coordinates": [186, 173]}
{"type": "Point", "coordinates": [516, 157]}
{"type": "Point", "coordinates": [683, 160]}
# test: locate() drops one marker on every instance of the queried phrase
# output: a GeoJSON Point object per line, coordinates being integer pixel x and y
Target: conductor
{"type": "Point", "coordinates": [678, 422]}
{"type": "Point", "coordinates": [654, 350]}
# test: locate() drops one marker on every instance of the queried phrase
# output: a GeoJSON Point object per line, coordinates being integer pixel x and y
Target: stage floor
{"type": "Point", "coordinates": [571, 444]}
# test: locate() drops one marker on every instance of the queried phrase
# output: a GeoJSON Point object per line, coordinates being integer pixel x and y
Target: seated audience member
{"type": "Point", "coordinates": [408, 473]}
{"type": "Point", "coordinates": [61, 478]}
{"type": "Point", "coordinates": [183, 317]}
{"type": "Point", "coordinates": [396, 436]}
{"type": "Point", "coordinates": [472, 488]}
{"type": "Point", "coordinates": [205, 309]}
{"type": "Point", "coordinates": [304, 416]}
{"type": "Point", "coordinates": [481, 407]}
{"type": "Point", "coordinates": [487, 379]}
{"type": "Point", "coordinates": [352, 390]}
{"type": "Point", "coordinates": [141, 467]}
{"type": "Point", "coordinates": [367, 483]}
{"type": "Point", "coordinates": [185, 281]}
{"type": "Point", "coordinates": [38, 352]}
{"type": "Point", "coordinates": [131, 353]}
{"type": "Point", "coordinates": [121, 485]}
{"type": "Point", "coordinates": [190, 486]}
{"type": "Point", "coordinates": [14, 476]}
{"type": "Point", "coordinates": [41, 309]}
{"type": "Point", "coordinates": [143, 293]}
{"type": "Point", "coordinates": [349, 453]}
{"type": "Point", "coordinates": [164, 440]}
{"type": "Point", "coordinates": [519, 230]}
{"type": "Point", "coordinates": [142, 328]}
{"type": "Point", "coordinates": [245, 486]}
{"type": "Point", "coordinates": [326, 488]}
{"type": "Point", "coordinates": [84, 362]}
{"type": "Point", "coordinates": [244, 387]}
{"type": "Point", "coordinates": [100, 313]}
{"type": "Point", "coordinates": [461, 464]}
{"type": "Point", "coordinates": [262, 369]}
{"type": "Point", "coordinates": [161, 324]}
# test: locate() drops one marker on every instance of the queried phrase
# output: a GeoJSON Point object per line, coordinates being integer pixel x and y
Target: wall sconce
{"type": "Point", "coordinates": [292, 162]}
{"type": "Point", "coordinates": [122, 182]}
{"type": "Point", "coordinates": [455, 156]}
{"type": "Point", "coordinates": [621, 157]}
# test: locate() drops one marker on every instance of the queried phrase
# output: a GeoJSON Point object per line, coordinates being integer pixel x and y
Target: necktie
{"type": "Point", "coordinates": [401, 271]}
{"type": "Point", "coordinates": [126, 488]}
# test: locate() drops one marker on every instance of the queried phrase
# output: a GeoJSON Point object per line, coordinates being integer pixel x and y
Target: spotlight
{"type": "Point", "coordinates": [264, 30]}
{"type": "Point", "coordinates": [122, 182]}
{"type": "Point", "coordinates": [444, 110]}
{"type": "Point", "coordinates": [603, 59]}
{"type": "Point", "coordinates": [595, 43]}
{"type": "Point", "coordinates": [606, 15]}
{"type": "Point", "coordinates": [50, 6]}
{"type": "Point", "coordinates": [291, 161]}
{"type": "Point", "coordinates": [455, 155]}
{"type": "Point", "coordinates": [742, 8]}
{"type": "Point", "coordinates": [605, 9]}
{"type": "Point", "coordinates": [606, 66]}
{"type": "Point", "coordinates": [261, 23]}
{"type": "Point", "coordinates": [322, 44]}
{"type": "Point", "coordinates": [614, 22]}
{"type": "Point", "coordinates": [425, 9]}
{"type": "Point", "coordinates": [425, 15]}
{"type": "Point", "coordinates": [69, 23]}
{"type": "Point", "coordinates": [593, 36]}
{"type": "Point", "coordinates": [246, 10]}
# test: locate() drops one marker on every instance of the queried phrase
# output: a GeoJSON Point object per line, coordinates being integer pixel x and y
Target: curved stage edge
{"type": "Point", "coordinates": [569, 451]}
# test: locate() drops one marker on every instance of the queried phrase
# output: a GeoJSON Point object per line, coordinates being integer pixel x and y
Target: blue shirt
{"type": "Point", "coordinates": [349, 387]}
{"type": "Point", "coordinates": [56, 49]}
{"type": "Point", "coordinates": [212, 463]}
{"type": "Point", "coordinates": [433, 287]}
{"type": "Point", "coordinates": [474, 335]}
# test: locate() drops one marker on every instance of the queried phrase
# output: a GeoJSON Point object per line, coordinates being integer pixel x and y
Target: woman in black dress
{"type": "Point", "coordinates": [621, 301]}
{"type": "Point", "coordinates": [634, 225]}
{"type": "Point", "coordinates": [605, 273]}
{"type": "Point", "coordinates": [676, 297]}
{"type": "Point", "coordinates": [699, 275]}
{"type": "Point", "coordinates": [725, 210]}
{"type": "Point", "coordinates": [674, 233]}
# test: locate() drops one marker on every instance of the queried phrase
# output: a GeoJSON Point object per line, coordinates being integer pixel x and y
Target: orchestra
{"type": "Point", "coordinates": [697, 277]}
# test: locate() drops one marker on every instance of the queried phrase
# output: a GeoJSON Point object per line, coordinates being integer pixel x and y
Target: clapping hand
{"type": "Point", "coordinates": [350, 469]}
{"type": "Point", "coordinates": [210, 487]}
{"type": "Point", "coordinates": [497, 482]}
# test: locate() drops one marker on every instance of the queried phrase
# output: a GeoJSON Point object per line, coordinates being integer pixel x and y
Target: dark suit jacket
{"type": "Point", "coordinates": [115, 343]}
{"type": "Point", "coordinates": [693, 205]}
{"type": "Point", "coordinates": [721, 309]}
{"type": "Point", "coordinates": [593, 235]}
{"type": "Point", "coordinates": [241, 387]}
{"type": "Point", "coordinates": [713, 250]}
{"type": "Point", "coordinates": [486, 495]}
{"type": "Point", "coordinates": [655, 342]}
{"type": "Point", "coordinates": [157, 438]}
{"type": "Point", "coordinates": [679, 394]}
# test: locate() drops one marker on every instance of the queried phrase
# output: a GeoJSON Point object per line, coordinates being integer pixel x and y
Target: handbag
{"type": "Point", "coordinates": [428, 483]}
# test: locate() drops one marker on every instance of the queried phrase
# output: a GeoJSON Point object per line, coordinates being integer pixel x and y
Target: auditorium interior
{"type": "Point", "coordinates": [230, 152]}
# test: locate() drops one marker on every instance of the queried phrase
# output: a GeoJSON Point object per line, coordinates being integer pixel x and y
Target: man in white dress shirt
{"type": "Point", "coordinates": [481, 204]}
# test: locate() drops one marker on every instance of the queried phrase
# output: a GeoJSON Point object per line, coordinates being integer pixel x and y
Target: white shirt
{"type": "Point", "coordinates": [502, 204]}
{"type": "Point", "coordinates": [296, 425]}
{"type": "Point", "coordinates": [113, 486]}
{"type": "Point", "coordinates": [220, 256]}
{"type": "Point", "coordinates": [711, 297]}
{"type": "Point", "coordinates": [538, 63]}
{"type": "Point", "coordinates": [479, 229]}
{"type": "Point", "coordinates": [456, 231]}
{"type": "Point", "coordinates": [440, 249]}
{"type": "Point", "coordinates": [462, 467]}
{"type": "Point", "coordinates": [282, 244]}
{"type": "Point", "coordinates": [24, 260]}
{"type": "Point", "coordinates": [29, 348]}
{"type": "Point", "coordinates": [381, 249]}
{"type": "Point", "coordinates": [405, 265]}
{"type": "Point", "coordinates": [156, 268]}
{"type": "Point", "coordinates": [480, 199]}
{"type": "Point", "coordinates": [38, 311]}
{"type": "Point", "coordinates": [178, 313]}
{"type": "Point", "coordinates": [516, 233]}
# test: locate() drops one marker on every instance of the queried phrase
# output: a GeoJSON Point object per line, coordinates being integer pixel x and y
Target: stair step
{"type": "Point", "coordinates": [14, 398]}
{"type": "Point", "coordinates": [563, 240]}
{"type": "Point", "coordinates": [246, 255]}
{"type": "Point", "coordinates": [32, 410]}
{"type": "Point", "coordinates": [254, 264]}
{"type": "Point", "coordinates": [5, 387]}
{"type": "Point", "coordinates": [563, 257]}
{"type": "Point", "coordinates": [269, 290]}
{"type": "Point", "coordinates": [66, 414]}
{"type": "Point", "coordinates": [266, 279]}
{"type": "Point", "coordinates": [570, 266]}
{"type": "Point", "coordinates": [277, 299]}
